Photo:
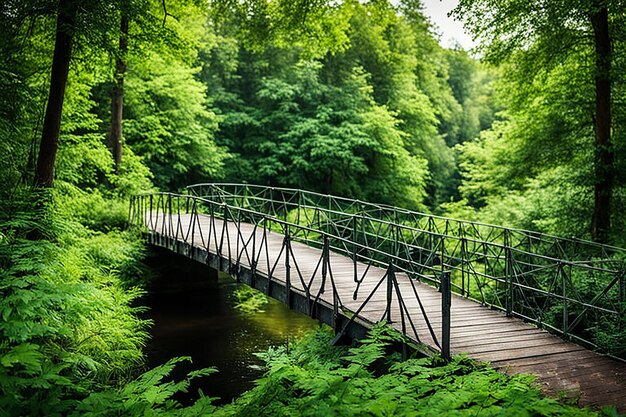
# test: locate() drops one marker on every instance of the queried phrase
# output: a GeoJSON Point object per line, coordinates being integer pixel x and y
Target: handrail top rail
{"type": "Point", "coordinates": [530, 233]}
{"type": "Point", "coordinates": [585, 263]}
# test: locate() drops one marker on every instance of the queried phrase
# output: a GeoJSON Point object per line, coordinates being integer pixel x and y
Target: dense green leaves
{"type": "Point", "coordinates": [244, 94]}
{"type": "Point", "coordinates": [313, 379]}
{"type": "Point", "coordinates": [149, 395]}
{"type": "Point", "coordinates": [368, 121]}
{"type": "Point", "coordinates": [545, 159]}
{"type": "Point", "coordinates": [169, 124]}
{"type": "Point", "coordinates": [66, 319]}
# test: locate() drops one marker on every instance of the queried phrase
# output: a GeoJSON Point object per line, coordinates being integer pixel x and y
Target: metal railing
{"type": "Point", "coordinates": [572, 287]}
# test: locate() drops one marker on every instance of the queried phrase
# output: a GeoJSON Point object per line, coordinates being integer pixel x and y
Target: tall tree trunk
{"type": "Point", "coordinates": [601, 222]}
{"type": "Point", "coordinates": [44, 172]}
{"type": "Point", "coordinates": [117, 100]}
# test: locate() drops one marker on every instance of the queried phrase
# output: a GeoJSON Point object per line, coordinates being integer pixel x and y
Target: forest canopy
{"type": "Point", "coordinates": [353, 98]}
{"type": "Point", "coordinates": [350, 98]}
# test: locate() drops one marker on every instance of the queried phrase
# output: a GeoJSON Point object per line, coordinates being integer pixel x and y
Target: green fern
{"type": "Point", "coordinates": [302, 382]}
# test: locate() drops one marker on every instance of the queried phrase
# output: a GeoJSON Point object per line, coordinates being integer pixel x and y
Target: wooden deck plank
{"type": "Point", "coordinates": [539, 345]}
{"type": "Point", "coordinates": [499, 355]}
{"type": "Point", "coordinates": [485, 340]}
{"type": "Point", "coordinates": [577, 359]}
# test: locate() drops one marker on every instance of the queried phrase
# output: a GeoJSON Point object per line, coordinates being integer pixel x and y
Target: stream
{"type": "Point", "coordinates": [193, 313]}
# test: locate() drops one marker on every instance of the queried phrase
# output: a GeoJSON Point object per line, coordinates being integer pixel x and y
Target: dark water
{"type": "Point", "coordinates": [194, 315]}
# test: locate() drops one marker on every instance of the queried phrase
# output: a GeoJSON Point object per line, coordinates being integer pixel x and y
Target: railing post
{"type": "Point", "coordinates": [151, 225]}
{"type": "Point", "coordinates": [130, 210]}
{"type": "Point", "coordinates": [253, 260]}
{"type": "Point", "coordinates": [622, 301]}
{"type": "Point", "coordinates": [137, 211]}
{"type": "Point", "coordinates": [336, 323]}
{"type": "Point", "coordinates": [564, 294]}
{"type": "Point", "coordinates": [170, 233]}
{"type": "Point", "coordinates": [221, 254]}
{"type": "Point", "coordinates": [179, 227]}
{"type": "Point", "coordinates": [264, 238]}
{"type": "Point", "coordinates": [443, 253]}
{"type": "Point", "coordinates": [464, 290]}
{"type": "Point", "coordinates": [287, 205]}
{"type": "Point", "coordinates": [287, 243]}
{"type": "Point", "coordinates": [212, 227]}
{"type": "Point", "coordinates": [193, 222]}
{"type": "Point", "coordinates": [510, 308]}
{"type": "Point", "coordinates": [325, 260]}
{"type": "Point", "coordinates": [508, 275]}
{"type": "Point", "coordinates": [327, 272]}
{"type": "Point", "coordinates": [391, 275]}
{"type": "Point", "coordinates": [238, 253]}
{"type": "Point", "coordinates": [162, 204]}
{"type": "Point", "coordinates": [446, 302]}
{"type": "Point", "coordinates": [299, 207]}
{"type": "Point", "coordinates": [354, 234]}
{"type": "Point", "coordinates": [430, 234]}
{"type": "Point", "coordinates": [396, 234]}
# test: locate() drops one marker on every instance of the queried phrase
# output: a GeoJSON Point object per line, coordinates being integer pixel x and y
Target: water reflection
{"type": "Point", "coordinates": [194, 316]}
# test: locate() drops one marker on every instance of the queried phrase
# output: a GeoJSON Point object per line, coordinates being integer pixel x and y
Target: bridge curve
{"type": "Point", "coordinates": [452, 286]}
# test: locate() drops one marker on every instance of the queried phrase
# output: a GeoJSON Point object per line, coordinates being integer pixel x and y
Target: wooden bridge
{"type": "Point", "coordinates": [524, 301]}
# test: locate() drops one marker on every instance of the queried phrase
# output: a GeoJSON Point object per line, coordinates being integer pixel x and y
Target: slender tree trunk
{"type": "Point", "coordinates": [601, 222]}
{"type": "Point", "coordinates": [44, 172]}
{"type": "Point", "coordinates": [117, 101]}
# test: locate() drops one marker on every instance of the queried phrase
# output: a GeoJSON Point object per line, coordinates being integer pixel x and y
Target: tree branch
{"type": "Point", "coordinates": [165, 13]}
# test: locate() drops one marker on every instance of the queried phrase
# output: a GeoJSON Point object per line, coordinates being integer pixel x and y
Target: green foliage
{"type": "Point", "coordinates": [313, 379]}
{"type": "Point", "coordinates": [537, 167]}
{"type": "Point", "coordinates": [84, 164]}
{"type": "Point", "coordinates": [67, 323]}
{"type": "Point", "coordinates": [91, 207]}
{"type": "Point", "coordinates": [367, 121]}
{"type": "Point", "coordinates": [316, 27]}
{"type": "Point", "coordinates": [472, 87]}
{"type": "Point", "coordinates": [148, 395]}
{"type": "Point", "coordinates": [348, 98]}
{"type": "Point", "coordinates": [248, 300]}
{"type": "Point", "coordinates": [169, 124]}
{"type": "Point", "coordinates": [518, 182]}
{"type": "Point", "coordinates": [24, 54]}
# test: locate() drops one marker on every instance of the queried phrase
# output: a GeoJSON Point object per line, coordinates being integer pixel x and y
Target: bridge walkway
{"type": "Point", "coordinates": [511, 345]}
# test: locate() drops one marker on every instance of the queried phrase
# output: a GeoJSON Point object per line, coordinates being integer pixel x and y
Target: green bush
{"type": "Point", "coordinates": [67, 321]}
{"type": "Point", "coordinates": [315, 379]}
{"type": "Point", "coordinates": [248, 300]}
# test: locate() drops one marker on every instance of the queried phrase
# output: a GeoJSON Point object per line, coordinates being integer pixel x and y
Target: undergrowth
{"type": "Point", "coordinates": [248, 300]}
{"type": "Point", "coordinates": [68, 323]}
{"type": "Point", "coordinates": [313, 379]}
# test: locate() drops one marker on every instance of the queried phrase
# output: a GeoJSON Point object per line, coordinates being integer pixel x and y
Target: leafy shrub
{"type": "Point", "coordinates": [148, 395]}
{"type": "Point", "coordinates": [67, 323]}
{"type": "Point", "coordinates": [248, 300]}
{"type": "Point", "coordinates": [314, 379]}
{"type": "Point", "coordinates": [90, 207]}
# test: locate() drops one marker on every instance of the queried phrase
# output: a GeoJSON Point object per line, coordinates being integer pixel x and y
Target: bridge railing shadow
{"type": "Point", "coordinates": [571, 287]}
